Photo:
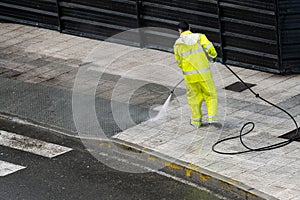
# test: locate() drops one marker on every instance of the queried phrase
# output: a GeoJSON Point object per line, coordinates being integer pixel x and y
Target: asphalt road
{"type": "Point", "coordinates": [77, 175]}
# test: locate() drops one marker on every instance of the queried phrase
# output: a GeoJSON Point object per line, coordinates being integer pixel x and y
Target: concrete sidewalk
{"type": "Point", "coordinates": [38, 67]}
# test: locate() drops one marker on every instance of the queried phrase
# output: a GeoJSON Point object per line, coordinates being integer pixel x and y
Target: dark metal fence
{"type": "Point", "coordinates": [41, 13]}
{"type": "Point", "coordinates": [289, 14]}
{"type": "Point", "coordinates": [255, 34]}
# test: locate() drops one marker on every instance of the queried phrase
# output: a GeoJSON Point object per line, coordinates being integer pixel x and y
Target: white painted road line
{"type": "Point", "coordinates": [31, 145]}
{"type": "Point", "coordinates": [9, 168]}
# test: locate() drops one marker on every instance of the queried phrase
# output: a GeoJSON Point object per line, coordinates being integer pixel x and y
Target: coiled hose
{"type": "Point", "coordinates": [252, 124]}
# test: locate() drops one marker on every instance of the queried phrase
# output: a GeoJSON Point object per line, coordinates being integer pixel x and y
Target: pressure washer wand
{"type": "Point", "coordinates": [172, 91]}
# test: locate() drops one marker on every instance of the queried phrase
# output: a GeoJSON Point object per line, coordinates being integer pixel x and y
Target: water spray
{"type": "Point", "coordinates": [163, 111]}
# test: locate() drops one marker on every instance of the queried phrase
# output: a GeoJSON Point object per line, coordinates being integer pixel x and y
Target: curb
{"type": "Point", "coordinates": [225, 186]}
{"type": "Point", "coordinates": [230, 188]}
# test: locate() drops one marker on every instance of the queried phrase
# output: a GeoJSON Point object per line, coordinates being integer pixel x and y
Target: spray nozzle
{"type": "Point", "coordinates": [172, 91]}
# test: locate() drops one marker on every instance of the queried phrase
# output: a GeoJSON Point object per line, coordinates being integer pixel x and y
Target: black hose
{"type": "Point", "coordinates": [172, 91]}
{"type": "Point", "coordinates": [240, 136]}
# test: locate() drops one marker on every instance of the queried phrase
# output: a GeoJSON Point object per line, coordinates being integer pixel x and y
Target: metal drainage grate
{"type": "Point", "coordinates": [291, 134]}
{"type": "Point", "coordinates": [238, 86]}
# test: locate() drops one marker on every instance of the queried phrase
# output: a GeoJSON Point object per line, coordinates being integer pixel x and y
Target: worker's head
{"type": "Point", "coordinates": [183, 26]}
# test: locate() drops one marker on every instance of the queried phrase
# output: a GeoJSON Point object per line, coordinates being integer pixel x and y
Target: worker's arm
{"type": "Point", "coordinates": [208, 46]}
{"type": "Point", "coordinates": [177, 57]}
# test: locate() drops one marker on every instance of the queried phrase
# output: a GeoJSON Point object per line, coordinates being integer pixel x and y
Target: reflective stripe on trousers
{"type": "Point", "coordinates": [212, 118]}
{"type": "Point", "coordinates": [196, 120]}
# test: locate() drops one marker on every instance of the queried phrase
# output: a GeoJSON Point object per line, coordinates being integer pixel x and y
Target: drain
{"type": "Point", "coordinates": [238, 86]}
{"type": "Point", "coordinates": [291, 135]}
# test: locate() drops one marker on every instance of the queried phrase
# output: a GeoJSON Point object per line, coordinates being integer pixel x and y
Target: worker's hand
{"type": "Point", "coordinates": [218, 59]}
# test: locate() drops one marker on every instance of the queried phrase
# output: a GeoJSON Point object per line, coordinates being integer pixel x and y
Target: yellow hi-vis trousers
{"type": "Point", "coordinates": [196, 93]}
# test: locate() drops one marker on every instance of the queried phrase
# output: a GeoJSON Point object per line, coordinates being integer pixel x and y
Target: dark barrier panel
{"type": "Point", "coordinates": [249, 33]}
{"type": "Point", "coordinates": [98, 19]}
{"type": "Point", "coordinates": [201, 14]}
{"type": "Point", "coordinates": [290, 34]}
{"type": "Point", "coordinates": [255, 34]}
{"type": "Point", "coordinates": [42, 13]}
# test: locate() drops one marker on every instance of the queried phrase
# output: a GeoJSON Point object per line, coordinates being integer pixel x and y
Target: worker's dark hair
{"type": "Point", "coordinates": [183, 25]}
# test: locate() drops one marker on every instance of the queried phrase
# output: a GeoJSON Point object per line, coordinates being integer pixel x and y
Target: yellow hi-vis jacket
{"type": "Point", "coordinates": [190, 53]}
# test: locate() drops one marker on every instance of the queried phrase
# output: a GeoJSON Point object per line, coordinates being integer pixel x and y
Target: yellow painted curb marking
{"type": "Point", "coordinates": [188, 172]}
{"type": "Point", "coordinates": [144, 148]}
{"type": "Point", "coordinates": [105, 144]}
{"type": "Point", "coordinates": [151, 158]}
{"type": "Point", "coordinates": [204, 178]}
{"type": "Point", "coordinates": [173, 166]}
{"type": "Point", "coordinates": [191, 168]}
{"type": "Point", "coordinates": [2, 117]}
{"type": "Point", "coordinates": [194, 167]}
{"type": "Point", "coordinates": [227, 186]}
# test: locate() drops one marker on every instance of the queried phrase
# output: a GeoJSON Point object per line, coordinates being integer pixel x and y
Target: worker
{"type": "Point", "coordinates": [191, 51]}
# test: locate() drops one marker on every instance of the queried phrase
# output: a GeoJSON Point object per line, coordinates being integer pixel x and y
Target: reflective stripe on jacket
{"type": "Point", "coordinates": [190, 53]}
